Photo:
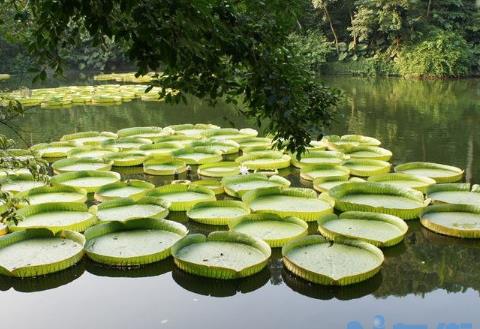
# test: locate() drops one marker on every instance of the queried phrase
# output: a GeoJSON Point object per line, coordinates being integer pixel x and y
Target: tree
{"type": "Point", "coordinates": [237, 50]}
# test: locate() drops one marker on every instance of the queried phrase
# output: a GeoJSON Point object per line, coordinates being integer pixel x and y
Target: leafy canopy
{"type": "Point", "coordinates": [237, 50]}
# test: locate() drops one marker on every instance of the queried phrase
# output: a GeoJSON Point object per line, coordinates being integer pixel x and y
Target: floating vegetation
{"type": "Point", "coordinates": [134, 242]}
{"type": "Point", "coordinates": [133, 230]}
{"type": "Point", "coordinates": [297, 202]}
{"type": "Point", "coordinates": [220, 212]}
{"type": "Point", "coordinates": [237, 186]}
{"type": "Point", "coordinates": [382, 198]}
{"type": "Point", "coordinates": [381, 230]}
{"type": "Point", "coordinates": [221, 255]}
{"type": "Point", "coordinates": [339, 263]}
{"type": "Point", "coordinates": [455, 193]}
{"type": "Point", "coordinates": [273, 229]}
{"type": "Point", "coordinates": [124, 77]}
{"type": "Point", "coordinates": [439, 172]}
{"type": "Point", "coordinates": [134, 189]}
{"type": "Point", "coordinates": [36, 252]}
{"type": "Point", "coordinates": [55, 216]}
{"type": "Point", "coordinates": [121, 210]}
{"type": "Point", "coordinates": [457, 220]}
{"type": "Point", "coordinates": [419, 183]}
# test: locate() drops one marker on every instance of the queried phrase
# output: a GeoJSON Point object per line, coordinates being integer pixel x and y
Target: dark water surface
{"type": "Point", "coordinates": [427, 280]}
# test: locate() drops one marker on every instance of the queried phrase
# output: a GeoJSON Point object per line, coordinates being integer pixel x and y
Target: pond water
{"type": "Point", "coordinates": [427, 280]}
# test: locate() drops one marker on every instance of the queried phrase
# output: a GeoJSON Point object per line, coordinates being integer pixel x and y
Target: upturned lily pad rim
{"type": "Point", "coordinates": [229, 146]}
{"type": "Point", "coordinates": [381, 153]}
{"type": "Point", "coordinates": [73, 153]}
{"type": "Point", "coordinates": [457, 173]}
{"type": "Point", "coordinates": [318, 181]}
{"type": "Point", "coordinates": [339, 191]}
{"type": "Point", "coordinates": [318, 154]}
{"type": "Point", "coordinates": [220, 272]}
{"type": "Point", "coordinates": [220, 220]}
{"type": "Point", "coordinates": [212, 184]}
{"type": "Point", "coordinates": [125, 202]}
{"type": "Point", "coordinates": [325, 279]}
{"type": "Point", "coordinates": [65, 177]}
{"type": "Point", "coordinates": [130, 225]}
{"type": "Point", "coordinates": [127, 158]}
{"type": "Point", "coordinates": [53, 154]}
{"type": "Point", "coordinates": [212, 155]}
{"type": "Point", "coordinates": [305, 170]}
{"type": "Point", "coordinates": [53, 189]}
{"type": "Point", "coordinates": [280, 160]}
{"type": "Point", "coordinates": [385, 178]}
{"type": "Point", "coordinates": [179, 188]}
{"type": "Point", "coordinates": [34, 233]}
{"type": "Point", "coordinates": [134, 140]}
{"type": "Point", "coordinates": [25, 212]}
{"type": "Point", "coordinates": [17, 178]}
{"type": "Point", "coordinates": [180, 166]}
{"type": "Point", "coordinates": [258, 217]}
{"type": "Point", "coordinates": [363, 215]}
{"type": "Point", "coordinates": [383, 167]}
{"type": "Point", "coordinates": [450, 187]}
{"type": "Point", "coordinates": [86, 134]}
{"type": "Point", "coordinates": [205, 169]}
{"type": "Point", "coordinates": [136, 131]}
{"type": "Point", "coordinates": [147, 186]}
{"type": "Point", "coordinates": [58, 165]}
{"type": "Point", "coordinates": [447, 230]}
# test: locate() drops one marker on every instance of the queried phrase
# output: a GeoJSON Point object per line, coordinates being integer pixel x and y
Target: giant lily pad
{"type": "Point", "coordinates": [141, 132]}
{"type": "Point", "coordinates": [160, 149]}
{"type": "Point", "coordinates": [133, 189]}
{"type": "Point", "coordinates": [94, 152]}
{"type": "Point", "coordinates": [220, 212]}
{"type": "Point", "coordinates": [230, 134]}
{"type": "Point", "coordinates": [224, 146]}
{"type": "Point", "coordinates": [19, 183]}
{"type": "Point", "coordinates": [198, 155]}
{"type": "Point", "coordinates": [368, 152]}
{"type": "Point", "coordinates": [164, 166]}
{"type": "Point", "coordinates": [89, 137]}
{"type": "Point", "coordinates": [212, 184]}
{"type": "Point", "coordinates": [127, 143]}
{"type": "Point", "coordinates": [403, 180]}
{"type": "Point", "coordinates": [264, 160]}
{"type": "Point", "coordinates": [91, 181]}
{"type": "Point", "coordinates": [129, 158]}
{"type": "Point", "coordinates": [237, 186]}
{"type": "Point", "coordinates": [324, 184]}
{"type": "Point", "coordinates": [366, 167]}
{"type": "Point", "coordinates": [194, 130]}
{"type": "Point", "coordinates": [219, 169]}
{"type": "Point", "coordinates": [36, 252]}
{"type": "Point", "coordinates": [182, 197]}
{"type": "Point", "coordinates": [439, 172]}
{"type": "Point", "coordinates": [339, 263]}
{"type": "Point", "coordinates": [362, 140]}
{"type": "Point", "coordinates": [255, 143]}
{"type": "Point", "coordinates": [455, 194]}
{"type": "Point", "coordinates": [221, 255]}
{"type": "Point", "coordinates": [376, 197]}
{"type": "Point", "coordinates": [457, 220]}
{"type": "Point", "coordinates": [273, 229]}
{"type": "Point", "coordinates": [312, 158]}
{"type": "Point", "coordinates": [134, 242]}
{"type": "Point", "coordinates": [49, 194]}
{"type": "Point", "coordinates": [80, 164]}
{"type": "Point", "coordinates": [381, 230]}
{"type": "Point", "coordinates": [121, 210]}
{"type": "Point", "coordinates": [55, 216]}
{"type": "Point", "coordinates": [297, 202]}
{"type": "Point", "coordinates": [324, 170]}
{"type": "Point", "coordinates": [54, 149]}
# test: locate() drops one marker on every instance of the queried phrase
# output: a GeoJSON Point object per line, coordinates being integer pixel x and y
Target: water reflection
{"type": "Point", "coordinates": [154, 269]}
{"type": "Point", "coordinates": [47, 282]}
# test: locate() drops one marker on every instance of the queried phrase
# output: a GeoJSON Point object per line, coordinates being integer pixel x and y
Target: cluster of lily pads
{"type": "Point", "coordinates": [106, 94]}
{"type": "Point", "coordinates": [124, 77]}
{"type": "Point", "coordinates": [360, 205]}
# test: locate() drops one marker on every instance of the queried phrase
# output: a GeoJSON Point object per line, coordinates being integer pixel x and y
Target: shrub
{"type": "Point", "coordinates": [441, 55]}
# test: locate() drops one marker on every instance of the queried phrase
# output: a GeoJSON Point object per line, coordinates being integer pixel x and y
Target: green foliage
{"type": "Point", "coordinates": [443, 54]}
{"type": "Point", "coordinates": [313, 47]}
{"type": "Point", "coordinates": [239, 51]}
{"type": "Point", "coordinates": [366, 67]}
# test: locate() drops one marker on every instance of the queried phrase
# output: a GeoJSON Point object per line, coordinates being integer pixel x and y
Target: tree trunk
{"type": "Point", "coordinates": [327, 14]}
{"type": "Point", "coordinates": [429, 8]}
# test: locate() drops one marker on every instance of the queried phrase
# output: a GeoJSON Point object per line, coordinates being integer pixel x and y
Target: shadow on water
{"type": "Point", "coordinates": [154, 269]}
{"type": "Point", "coordinates": [47, 282]}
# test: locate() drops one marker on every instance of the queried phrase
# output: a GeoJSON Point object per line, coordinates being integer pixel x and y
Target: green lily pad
{"type": "Point", "coordinates": [212, 184]}
{"type": "Point", "coordinates": [91, 181]}
{"type": "Point", "coordinates": [339, 263]}
{"type": "Point", "coordinates": [164, 166]}
{"type": "Point", "coordinates": [439, 172]}
{"type": "Point", "coordinates": [198, 155]}
{"type": "Point", "coordinates": [219, 169]}
{"type": "Point", "coordinates": [457, 220]}
{"type": "Point", "coordinates": [324, 170]}
{"type": "Point", "coordinates": [312, 158]}
{"type": "Point", "coordinates": [19, 183]}
{"type": "Point", "coordinates": [221, 255]}
{"type": "Point", "coordinates": [55, 216]}
{"type": "Point", "coordinates": [366, 167]}
{"type": "Point", "coordinates": [381, 230]}
{"type": "Point", "coordinates": [369, 152]}
{"type": "Point", "coordinates": [124, 209]}
{"type": "Point", "coordinates": [223, 146]}
{"type": "Point", "coordinates": [160, 149]}
{"type": "Point", "coordinates": [54, 149]}
{"type": "Point", "coordinates": [80, 164]}
{"type": "Point", "coordinates": [324, 184]}
{"type": "Point", "coordinates": [455, 194]}
{"type": "Point", "coordinates": [89, 137]}
{"type": "Point", "coordinates": [376, 197]}
{"type": "Point", "coordinates": [133, 189]}
{"type": "Point", "coordinates": [127, 143]}
{"type": "Point", "coordinates": [134, 242]}
{"type": "Point", "coordinates": [220, 212]}
{"type": "Point", "coordinates": [403, 180]}
{"type": "Point", "coordinates": [37, 252]}
{"type": "Point", "coordinates": [288, 202]}
{"type": "Point", "coordinates": [264, 160]}
{"type": "Point", "coordinates": [271, 228]}
{"type": "Point", "coordinates": [49, 194]}
{"type": "Point", "coordinates": [237, 186]}
{"type": "Point", "coordinates": [230, 134]}
{"type": "Point", "coordinates": [193, 130]}
{"type": "Point", "coordinates": [182, 197]}
{"type": "Point", "coordinates": [141, 132]}
{"type": "Point", "coordinates": [88, 152]}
